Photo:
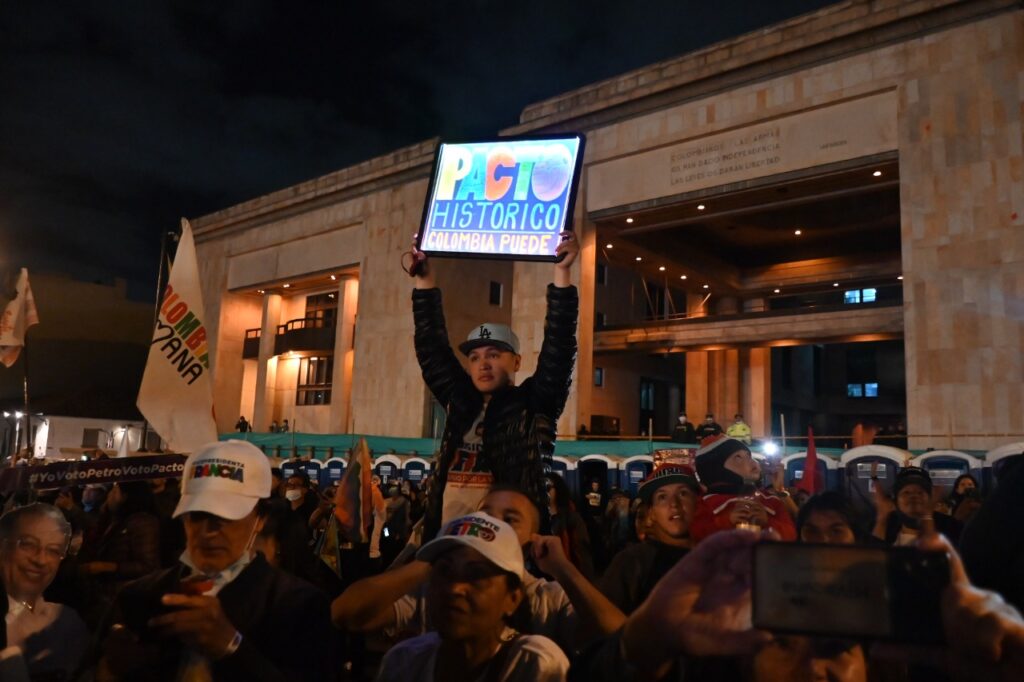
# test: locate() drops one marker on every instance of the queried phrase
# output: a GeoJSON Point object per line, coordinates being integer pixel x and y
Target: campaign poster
{"type": "Point", "coordinates": [507, 198]}
{"type": "Point", "coordinates": [674, 456]}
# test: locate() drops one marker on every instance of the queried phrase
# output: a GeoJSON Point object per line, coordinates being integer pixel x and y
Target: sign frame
{"type": "Point", "coordinates": [570, 207]}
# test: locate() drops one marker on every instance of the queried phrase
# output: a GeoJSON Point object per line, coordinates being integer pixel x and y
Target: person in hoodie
{"type": "Point", "coordinates": [730, 476]}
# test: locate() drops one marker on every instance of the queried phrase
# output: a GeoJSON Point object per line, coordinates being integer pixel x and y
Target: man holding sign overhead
{"type": "Point", "coordinates": [497, 433]}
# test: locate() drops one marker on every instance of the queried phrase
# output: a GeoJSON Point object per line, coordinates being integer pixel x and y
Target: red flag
{"type": "Point", "coordinates": [812, 481]}
{"type": "Point", "coordinates": [353, 500]}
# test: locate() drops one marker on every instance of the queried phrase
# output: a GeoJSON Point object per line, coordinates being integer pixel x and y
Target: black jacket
{"type": "Point", "coordinates": [519, 425]}
{"type": "Point", "coordinates": [684, 433]}
{"type": "Point", "coordinates": [265, 604]}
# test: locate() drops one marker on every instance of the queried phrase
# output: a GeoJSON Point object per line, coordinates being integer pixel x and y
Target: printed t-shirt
{"type": "Point", "coordinates": [468, 478]}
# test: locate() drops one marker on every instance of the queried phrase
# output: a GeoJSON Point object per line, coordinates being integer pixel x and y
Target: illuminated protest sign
{"type": "Point", "coordinates": [105, 471]}
{"type": "Point", "coordinates": [507, 198]}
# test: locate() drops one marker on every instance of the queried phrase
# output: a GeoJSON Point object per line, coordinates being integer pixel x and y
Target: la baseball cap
{"type": "Point", "coordinates": [491, 334]}
{"type": "Point", "coordinates": [225, 479]}
{"type": "Point", "coordinates": [491, 537]}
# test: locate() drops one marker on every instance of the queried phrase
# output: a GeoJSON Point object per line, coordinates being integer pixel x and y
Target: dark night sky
{"type": "Point", "coordinates": [116, 118]}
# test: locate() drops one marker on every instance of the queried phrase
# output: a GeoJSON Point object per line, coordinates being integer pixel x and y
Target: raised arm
{"type": "Point", "coordinates": [442, 371]}
{"type": "Point", "coordinates": [550, 383]}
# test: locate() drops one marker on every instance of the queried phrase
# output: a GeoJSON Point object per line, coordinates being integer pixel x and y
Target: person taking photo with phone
{"type": "Point", "coordinates": [220, 612]}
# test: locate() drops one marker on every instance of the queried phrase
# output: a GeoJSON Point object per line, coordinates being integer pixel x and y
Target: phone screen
{"type": "Point", "coordinates": [850, 591]}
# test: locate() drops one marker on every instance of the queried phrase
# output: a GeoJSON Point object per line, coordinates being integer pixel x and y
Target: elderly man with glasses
{"type": "Point", "coordinates": [34, 539]}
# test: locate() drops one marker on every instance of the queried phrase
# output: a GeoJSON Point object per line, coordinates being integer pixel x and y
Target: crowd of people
{"type": "Point", "coordinates": [493, 569]}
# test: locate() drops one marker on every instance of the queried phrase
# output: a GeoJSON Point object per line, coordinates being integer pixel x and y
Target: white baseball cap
{"type": "Point", "coordinates": [225, 479]}
{"type": "Point", "coordinates": [492, 537]}
{"type": "Point", "coordinates": [491, 334]}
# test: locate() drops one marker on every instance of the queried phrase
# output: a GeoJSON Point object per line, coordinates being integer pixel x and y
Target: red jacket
{"type": "Point", "coordinates": [713, 511]}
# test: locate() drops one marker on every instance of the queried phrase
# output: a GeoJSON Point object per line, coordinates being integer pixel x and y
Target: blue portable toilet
{"type": "Point", "coordinates": [388, 467]}
{"type": "Point", "coordinates": [290, 467]}
{"type": "Point", "coordinates": [858, 463]}
{"type": "Point", "coordinates": [415, 469]}
{"type": "Point", "coordinates": [945, 466]}
{"type": "Point", "coordinates": [794, 468]}
{"type": "Point", "coordinates": [333, 470]}
{"type": "Point", "coordinates": [993, 459]}
{"type": "Point", "coordinates": [633, 470]}
{"type": "Point", "coordinates": [600, 468]}
{"type": "Point", "coordinates": [312, 468]}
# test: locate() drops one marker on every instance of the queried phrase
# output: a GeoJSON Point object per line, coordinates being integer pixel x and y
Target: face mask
{"type": "Point", "coordinates": [682, 420]}
{"type": "Point", "coordinates": [293, 495]}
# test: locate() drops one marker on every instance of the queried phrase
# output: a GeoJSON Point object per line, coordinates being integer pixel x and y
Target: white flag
{"type": "Point", "coordinates": [176, 394]}
{"type": "Point", "coordinates": [19, 315]}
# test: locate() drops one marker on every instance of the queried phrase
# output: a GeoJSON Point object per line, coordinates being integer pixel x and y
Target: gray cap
{"type": "Point", "coordinates": [490, 334]}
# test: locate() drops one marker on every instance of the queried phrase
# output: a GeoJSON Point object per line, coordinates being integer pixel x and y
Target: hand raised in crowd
{"type": "Point", "coordinates": [418, 266]}
{"type": "Point", "coordinates": [984, 634]}
{"type": "Point", "coordinates": [702, 607]}
{"type": "Point", "coordinates": [199, 622]}
{"type": "Point", "coordinates": [568, 250]}
{"type": "Point", "coordinates": [548, 554]}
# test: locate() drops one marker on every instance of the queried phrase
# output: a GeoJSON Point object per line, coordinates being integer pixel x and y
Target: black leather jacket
{"type": "Point", "coordinates": [519, 425]}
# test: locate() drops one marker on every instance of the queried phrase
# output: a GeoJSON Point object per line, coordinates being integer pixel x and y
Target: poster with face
{"type": "Point", "coordinates": [508, 198]}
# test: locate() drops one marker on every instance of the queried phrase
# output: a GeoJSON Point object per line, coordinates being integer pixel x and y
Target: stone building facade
{"type": "Point", "coordinates": [930, 92]}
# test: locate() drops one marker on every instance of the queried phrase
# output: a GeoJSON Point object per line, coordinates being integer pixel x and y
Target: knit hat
{"type": "Point", "coordinates": [912, 475]}
{"type": "Point", "coordinates": [667, 474]}
{"type": "Point", "coordinates": [711, 458]}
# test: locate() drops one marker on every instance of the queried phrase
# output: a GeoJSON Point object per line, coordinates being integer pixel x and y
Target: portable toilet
{"type": "Point", "coordinates": [415, 469]}
{"type": "Point", "coordinates": [993, 459]}
{"type": "Point", "coordinates": [601, 468]}
{"type": "Point", "coordinates": [945, 466]}
{"type": "Point", "coordinates": [387, 467]}
{"type": "Point", "coordinates": [634, 470]}
{"type": "Point", "coordinates": [289, 467]}
{"type": "Point", "coordinates": [858, 464]}
{"type": "Point", "coordinates": [333, 470]}
{"type": "Point", "coordinates": [312, 468]}
{"type": "Point", "coordinates": [794, 468]}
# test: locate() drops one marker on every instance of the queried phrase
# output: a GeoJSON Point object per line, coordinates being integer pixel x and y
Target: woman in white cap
{"type": "Point", "coordinates": [475, 587]}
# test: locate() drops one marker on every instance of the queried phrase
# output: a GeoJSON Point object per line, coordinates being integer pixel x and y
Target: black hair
{"type": "Point", "coordinates": [507, 488]}
{"type": "Point", "coordinates": [956, 483]}
{"type": "Point", "coordinates": [302, 475]}
{"type": "Point", "coordinates": [563, 497]}
{"type": "Point", "coordinates": [276, 472]}
{"type": "Point", "coordinates": [294, 555]}
{"type": "Point", "coordinates": [138, 497]}
{"type": "Point", "coordinates": [830, 501]}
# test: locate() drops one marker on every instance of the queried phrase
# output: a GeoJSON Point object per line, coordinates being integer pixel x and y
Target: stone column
{"type": "Point", "coordinates": [341, 381]}
{"type": "Point", "coordinates": [266, 363]}
{"type": "Point", "coordinates": [756, 368]}
{"type": "Point", "coordinates": [696, 385]}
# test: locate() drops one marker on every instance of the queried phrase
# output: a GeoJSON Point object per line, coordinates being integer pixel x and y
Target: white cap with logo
{"type": "Point", "coordinates": [225, 479]}
{"type": "Point", "coordinates": [491, 537]}
{"type": "Point", "coordinates": [491, 334]}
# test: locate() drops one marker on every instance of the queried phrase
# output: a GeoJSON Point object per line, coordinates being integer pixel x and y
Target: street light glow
{"type": "Point", "coordinates": [770, 449]}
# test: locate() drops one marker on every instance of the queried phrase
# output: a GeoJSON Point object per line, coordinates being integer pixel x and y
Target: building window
{"type": "Point", "coordinates": [314, 382]}
{"type": "Point", "coordinates": [860, 296]}
{"type": "Point", "coordinates": [495, 295]}
{"type": "Point", "coordinates": [599, 376]}
{"type": "Point", "coordinates": [868, 390]}
{"type": "Point", "coordinates": [602, 273]}
{"type": "Point", "coordinates": [322, 307]}
{"type": "Point", "coordinates": [646, 395]}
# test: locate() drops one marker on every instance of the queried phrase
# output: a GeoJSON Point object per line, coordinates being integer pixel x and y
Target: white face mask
{"type": "Point", "coordinates": [293, 494]}
{"type": "Point", "coordinates": [682, 420]}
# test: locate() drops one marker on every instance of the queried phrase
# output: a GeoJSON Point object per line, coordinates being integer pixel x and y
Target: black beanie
{"type": "Point", "coordinates": [912, 475]}
{"type": "Point", "coordinates": [710, 460]}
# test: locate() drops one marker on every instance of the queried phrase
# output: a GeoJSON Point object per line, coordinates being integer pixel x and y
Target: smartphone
{"type": "Point", "coordinates": [885, 593]}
